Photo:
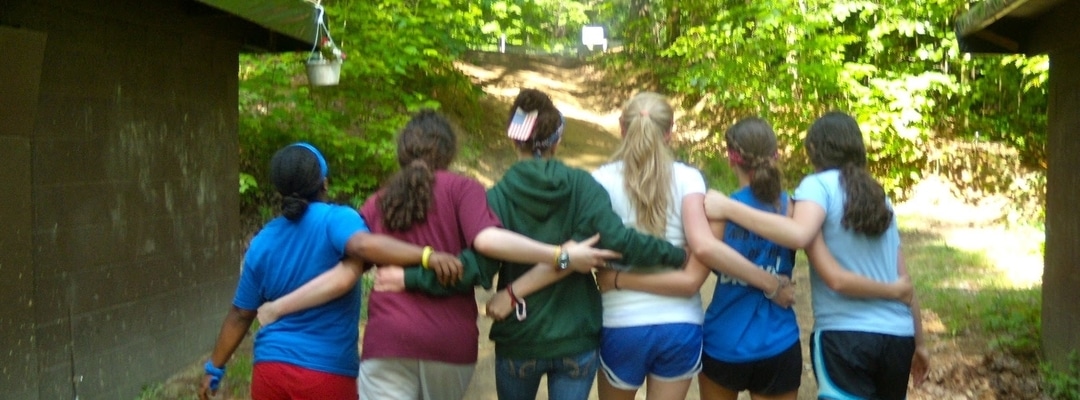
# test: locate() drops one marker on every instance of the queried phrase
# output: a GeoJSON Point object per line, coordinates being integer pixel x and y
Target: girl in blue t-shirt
{"type": "Point", "coordinates": [867, 334]}
{"type": "Point", "coordinates": [314, 354]}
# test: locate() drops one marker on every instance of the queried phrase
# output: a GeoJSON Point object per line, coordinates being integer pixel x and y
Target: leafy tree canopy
{"type": "Point", "coordinates": [923, 105]}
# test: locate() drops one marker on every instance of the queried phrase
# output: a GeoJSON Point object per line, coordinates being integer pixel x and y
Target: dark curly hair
{"type": "Point", "coordinates": [297, 175]}
{"type": "Point", "coordinates": [548, 120]}
{"type": "Point", "coordinates": [834, 141]}
{"type": "Point", "coordinates": [426, 144]}
{"type": "Point", "coordinates": [753, 142]}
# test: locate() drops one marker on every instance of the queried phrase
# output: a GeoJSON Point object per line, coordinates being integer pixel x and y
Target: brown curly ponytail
{"type": "Point", "coordinates": [426, 144]}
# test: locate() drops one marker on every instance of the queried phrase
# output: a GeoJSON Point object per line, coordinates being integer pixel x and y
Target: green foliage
{"type": "Point", "coordinates": [238, 373]}
{"type": "Point", "coordinates": [1063, 381]}
{"type": "Point", "coordinates": [718, 174]}
{"type": "Point", "coordinates": [400, 58]}
{"type": "Point", "coordinates": [248, 183]}
{"type": "Point", "coordinates": [895, 66]}
{"type": "Point", "coordinates": [546, 25]}
{"type": "Point", "coordinates": [1017, 330]}
{"type": "Point", "coordinates": [367, 285]}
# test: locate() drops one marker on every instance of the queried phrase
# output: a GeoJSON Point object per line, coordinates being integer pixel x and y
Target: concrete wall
{"type": "Point", "coordinates": [118, 158]}
{"type": "Point", "coordinates": [1061, 275]}
{"type": "Point", "coordinates": [23, 52]}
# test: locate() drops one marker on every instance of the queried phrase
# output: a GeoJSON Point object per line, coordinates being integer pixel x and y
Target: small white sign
{"type": "Point", "coordinates": [593, 35]}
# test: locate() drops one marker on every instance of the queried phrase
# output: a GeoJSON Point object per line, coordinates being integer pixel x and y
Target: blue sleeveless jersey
{"type": "Point", "coordinates": [741, 325]}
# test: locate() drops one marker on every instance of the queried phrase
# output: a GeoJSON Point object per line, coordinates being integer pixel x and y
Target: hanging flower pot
{"type": "Point", "coordinates": [323, 72]}
{"type": "Point", "coordinates": [324, 63]}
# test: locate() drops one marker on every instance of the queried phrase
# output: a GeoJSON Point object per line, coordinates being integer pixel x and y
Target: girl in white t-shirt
{"type": "Point", "coordinates": [652, 321]}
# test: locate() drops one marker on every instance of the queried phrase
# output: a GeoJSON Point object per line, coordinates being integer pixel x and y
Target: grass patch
{"type": "Point", "coordinates": [238, 374]}
{"type": "Point", "coordinates": [971, 296]}
{"type": "Point", "coordinates": [1063, 382]}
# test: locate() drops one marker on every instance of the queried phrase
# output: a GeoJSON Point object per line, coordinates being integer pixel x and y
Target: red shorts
{"type": "Point", "coordinates": [275, 380]}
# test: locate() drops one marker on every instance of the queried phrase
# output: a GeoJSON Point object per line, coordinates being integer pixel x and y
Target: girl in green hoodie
{"type": "Point", "coordinates": [555, 330]}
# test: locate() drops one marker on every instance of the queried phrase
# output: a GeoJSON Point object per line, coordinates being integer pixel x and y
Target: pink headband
{"type": "Point", "coordinates": [735, 157]}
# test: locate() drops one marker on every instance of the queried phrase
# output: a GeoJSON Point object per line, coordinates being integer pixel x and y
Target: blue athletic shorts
{"type": "Point", "coordinates": [669, 352]}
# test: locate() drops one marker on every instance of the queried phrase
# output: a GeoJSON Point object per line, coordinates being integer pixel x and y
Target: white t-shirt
{"type": "Point", "coordinates": [623, 308]}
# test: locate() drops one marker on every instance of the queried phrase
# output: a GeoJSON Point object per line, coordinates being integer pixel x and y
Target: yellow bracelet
{"type": "Point", "coordinates": [427, 255]}
{"type": "Point", "coordinates": [558, 252]}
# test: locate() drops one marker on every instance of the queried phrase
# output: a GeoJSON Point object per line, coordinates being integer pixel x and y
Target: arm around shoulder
{"type": "Point", "coordinates": [704, 240]}
{"type": "Point", "coordinates": [851, 284]}
{"type": "Point", "coordinates": [794, 233]}
{"type": "Point", "coordinates": [477, 270]}
{"type": "Point", "coordinates": [329, 285]}
{"type": "Point", "coordinates": [681, 283]}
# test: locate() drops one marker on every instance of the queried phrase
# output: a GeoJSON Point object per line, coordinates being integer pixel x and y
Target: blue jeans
{"type": "Point", "coordinates": [568, 378]}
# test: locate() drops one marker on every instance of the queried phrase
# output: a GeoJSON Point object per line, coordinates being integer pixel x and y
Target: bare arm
{"type": "Point", "coordinates": [794, 233]}
{"type": "Point", "coordinates": [327, 286]}
{"type": "Point", "coordinates": [920, 362]}
{"type": "Point", "coordinates": [717, 255]}
{"type": "Point", "coordinates": [682, 283]}
{"type": "Point", "coordinates": [233, 328]}
{"type": "Point", "coordinates": [851, 284]}
{"type": "Point", "coordinates": [372, 247]}
{"type": "Point", "coordinates": [538, 277]}
{"type": "Point", "coordinates": [386, 250]}
{"type": "Point", "coordinates": [517, 248]}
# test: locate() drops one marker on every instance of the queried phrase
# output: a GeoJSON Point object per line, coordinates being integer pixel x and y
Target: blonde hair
{"type": "Point", "coordinates": [646, 120]}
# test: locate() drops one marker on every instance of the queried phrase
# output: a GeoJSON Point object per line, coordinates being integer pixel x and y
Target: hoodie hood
{"type": "Point", "coordinates": [538, 188]}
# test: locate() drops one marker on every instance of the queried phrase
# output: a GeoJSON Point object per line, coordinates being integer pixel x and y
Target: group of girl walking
{"type": "Point", "coordinates": [598, 274]}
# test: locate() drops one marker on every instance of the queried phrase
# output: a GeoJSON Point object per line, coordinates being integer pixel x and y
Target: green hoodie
{"type": "Point", "coordinates": [552, 203]}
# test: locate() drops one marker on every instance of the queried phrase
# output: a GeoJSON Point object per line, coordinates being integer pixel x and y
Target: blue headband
{"type": "Point", "coordinates": [540, 146]}
{"type": "Point", "coordinates": [322, 161]}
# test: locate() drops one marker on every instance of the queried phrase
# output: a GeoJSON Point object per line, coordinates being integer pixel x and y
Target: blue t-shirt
{"type": "Point", "coordinates": [741, 325]}
{"type": "Point", "coordinates": [281, 258]}
{"type": "Point", "coordinates": [872, 257]}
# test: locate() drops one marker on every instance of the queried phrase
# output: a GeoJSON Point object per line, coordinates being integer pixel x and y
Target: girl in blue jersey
{"type": "Point", "coordinates": [751, 343]}
{"type": "Point", "coordinates": [314, 354]}
{"type": "Point", "coordinates": [867, 336]}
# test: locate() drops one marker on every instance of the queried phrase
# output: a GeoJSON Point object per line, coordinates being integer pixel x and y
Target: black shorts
{"type": "Point", "coordinates": [775, 375]}
{"type": "Point", "coordinates": [861, 365]}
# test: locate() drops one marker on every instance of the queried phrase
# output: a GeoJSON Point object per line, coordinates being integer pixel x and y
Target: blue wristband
{"type": "Point", "coordinates": [216, 374]}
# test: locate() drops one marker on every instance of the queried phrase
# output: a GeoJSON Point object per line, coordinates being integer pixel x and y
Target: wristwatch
{"type": "Point", "coordinates": [564, 260]}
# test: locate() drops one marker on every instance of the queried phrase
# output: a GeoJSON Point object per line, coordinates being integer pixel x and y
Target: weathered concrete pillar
{"type": "Point", "coordinates": [1061, 274]}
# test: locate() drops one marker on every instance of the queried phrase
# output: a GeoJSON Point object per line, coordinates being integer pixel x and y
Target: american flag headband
{"type": "Point", "coordinates": [521, 126]}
